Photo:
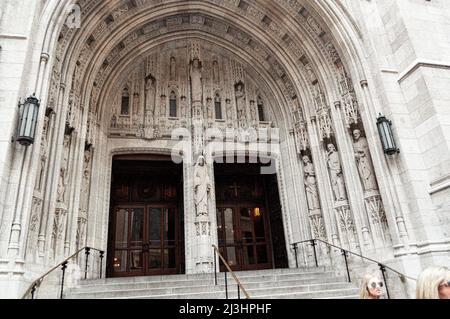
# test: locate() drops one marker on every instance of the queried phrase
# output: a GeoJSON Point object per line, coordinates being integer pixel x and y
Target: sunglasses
{"type": "Point", "coordinates": [373, 285]}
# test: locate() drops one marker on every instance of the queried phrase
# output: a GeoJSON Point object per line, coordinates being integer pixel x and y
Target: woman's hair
{"type": "Point", "coordinates": [430, 280]}
{"type": "Point", "coordinates": [364, 290]}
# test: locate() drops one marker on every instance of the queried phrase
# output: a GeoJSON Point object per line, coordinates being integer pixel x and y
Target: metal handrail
{"type": "Point", "coordinates": [238, 282]}
{"type": "Point", "coordinates": [356, 254]}
{"type": "Point", "coordinates": [39, 281]}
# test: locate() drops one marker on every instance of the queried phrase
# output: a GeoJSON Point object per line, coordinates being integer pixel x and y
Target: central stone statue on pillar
{"type": "Point", "coordinates": [202, 187]}
{"type": "Point", "coordinates": [203, 243]}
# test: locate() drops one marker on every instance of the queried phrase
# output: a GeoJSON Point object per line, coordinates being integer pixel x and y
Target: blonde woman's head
{"type": "Point", "coordinates": [434, 283]}
{"type": "Point", "coordinates": [371, 287]}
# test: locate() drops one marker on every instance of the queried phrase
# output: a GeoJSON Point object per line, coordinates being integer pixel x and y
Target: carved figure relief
{"type": "Point", "coordinates": [229, 109]}
{"type": "Point", "coordinates": [173, 69]}
{"type": "Point", "coordinates": [63, 172]}
{"type": "Point", "coordinates": [196, 81]}
{"type": "Point", "coordinates": [202, 187]}
{"type": "Point", "coordinates": [253, 111]}
{"type": "Point", "coordinates": [336, 175]}
{"type": "Point", "coordinates": [86, 181]}
{"type": "Point", "coordinates": [312, 194]}
{"type": "Point", "coordinates": [241, 104]}
{"type": "Point", "coordinates": [43, 156]}
{"type": "Point", "coordinates": [364, 161]}
{"type": "Point", "coordinates": [216, 76]}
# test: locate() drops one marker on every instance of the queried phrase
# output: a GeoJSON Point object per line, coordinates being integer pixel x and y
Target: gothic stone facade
{"type": "Point", "coordinates": [118, 76]}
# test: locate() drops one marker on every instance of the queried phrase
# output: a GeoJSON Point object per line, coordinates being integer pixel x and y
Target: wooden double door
{"type": "Point", "coordinates": [244, 240]}
{"type": "Point", "coordinates": [146, 222]}
{"type": "Point", "coordinates": [244, 229]}
{"type": "Point", "coordinates": [146, 240]}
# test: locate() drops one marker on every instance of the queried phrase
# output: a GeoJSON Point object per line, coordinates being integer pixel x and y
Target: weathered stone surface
{"type": "Point", "coordinates": [317, 71]}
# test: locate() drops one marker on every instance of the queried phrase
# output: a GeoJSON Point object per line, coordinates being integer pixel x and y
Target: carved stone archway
{"type": "Point", "coordinates": [304, 73]}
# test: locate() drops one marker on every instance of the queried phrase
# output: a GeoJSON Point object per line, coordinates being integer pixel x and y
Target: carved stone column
{"type": "Point", "coordinates": [203, 237]}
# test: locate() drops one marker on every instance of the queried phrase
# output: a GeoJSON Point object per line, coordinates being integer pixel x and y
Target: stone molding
{"type": "Point", "coordinates": [422, 64]}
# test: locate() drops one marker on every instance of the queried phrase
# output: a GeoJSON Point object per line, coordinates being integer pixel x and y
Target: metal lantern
{"type": "Point", "coordinates": [29, 112]}
{"type": "Point", "coordinates": [386, 135]}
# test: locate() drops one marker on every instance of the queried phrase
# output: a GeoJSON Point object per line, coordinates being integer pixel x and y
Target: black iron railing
{"type": "Point", "coordinates": [239, 285]}
{"type": "Point", "coordinates": [346, 253]}
{"type": "Point", "coordinates": [89, 261]}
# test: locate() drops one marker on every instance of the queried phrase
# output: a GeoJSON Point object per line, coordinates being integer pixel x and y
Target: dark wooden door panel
{"type": "Point", "coordinates": [146, 226]}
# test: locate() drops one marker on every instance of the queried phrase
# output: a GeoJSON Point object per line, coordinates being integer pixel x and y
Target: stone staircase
{"type": "Point", "coordinates": [306, 283]}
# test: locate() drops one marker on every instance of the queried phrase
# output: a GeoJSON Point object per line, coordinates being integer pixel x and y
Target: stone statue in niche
{"type": "Point", "coordinates": [337, 177]}
{"type": "Point", "coordinates": [41, 171]}
{"type": "Point", "coordinates": [183, 106]}
{"type": "Point", "coordinates": [229, 109]}
{"type": "Point", "coordinates": [310, 72]}
{"type": "Point", "coordinates": [150, 99]}
{"type": "Point", "coordinates": [43, 155]}
{"type": "Point", "coordinates": [241, 103]}
{"type": "Point", "coordinates": [364, 161]}
{"type": "Point", "coordinates": [312, 194]}
{"type": "Point", "coordinates": [63, 172]}
{"type": "Point", "coordinates": [209, 108]}
{"type": "Point", "coordinates": [253, 111]}
{"type": "Point", "coordinates": [86, 181]}
{"type": "Point", "coordinates": [196, 81]}
{"type": "Point", "coordinates": [173, 69]}
{"type": "Point", "coordinates": [216, 72]}
{"type": "Point", "coordinates": [114, 121]}
{"type": "Point", "coordinates": [202, 186]}
{"type": "Point", "coordinates": [149, 93]}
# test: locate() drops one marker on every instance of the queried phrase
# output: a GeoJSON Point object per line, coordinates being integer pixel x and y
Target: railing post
{"type": "Point", "coordinates": [215, 267]}
{"type": "Point", "coordinates": [102, 255]}
{"type": "Point", "coordinates": [88, 252]}
{"type": "Point", "coordinates": [346, 265]}
{"type": "Point", "coordinates": [63, 268]}
{"type": "Point", "coordinates": [239, 292]}
{"type": "Point", "coordinates": [383, 270]}
{"type": "Point", "coordinates": [33, 290]}
{"type": "Point", "coordinates": [313, 244]}
{"type": "Point", "coordinates": [226, 284]}
{"type": "Point", "coordinates": [296, 257]}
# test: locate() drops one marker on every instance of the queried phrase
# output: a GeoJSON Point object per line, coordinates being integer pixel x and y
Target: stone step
{"type": "Point", "coordinates": [243, 276]}
{"type": "Point", "coordinates": [253, 289]}
{"type": "Point", "coordinates": [153, 291]}
{"type": "Point", "coordinates": [337, 294]}
{"type": "Point", "coordinates": [325, 294]}
{"type": "Point", "coordinates": [263, 282]}
{"type": "Point", "coordinates": [311, 276]}
{"type": "Point", "coordinates": [255, 292]}
{"type": "Point", "coordinates": [303, 283]}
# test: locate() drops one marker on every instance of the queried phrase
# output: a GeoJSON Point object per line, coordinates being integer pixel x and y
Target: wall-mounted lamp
{"type": "Point", "coordinates": [29, 112]}
{"type": "Point", "coordinates": [386, 135]}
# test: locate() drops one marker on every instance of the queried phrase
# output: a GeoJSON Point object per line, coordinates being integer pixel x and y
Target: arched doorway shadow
{"type": "Point", "coordinates": [249, 217]}
{"type": "Point", "coordinates": [146, 231]}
